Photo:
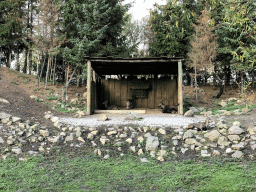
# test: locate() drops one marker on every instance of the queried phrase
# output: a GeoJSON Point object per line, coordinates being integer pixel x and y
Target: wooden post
{"type": "Point", "coordinates": [95, 90]}
{"type": "Point", "coordinates": [89, 88]}
{"type": "Point", "coordinates": [180, 96]}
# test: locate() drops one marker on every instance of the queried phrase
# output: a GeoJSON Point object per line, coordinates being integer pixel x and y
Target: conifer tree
{"type": "Point", "coordinates": [203, 46]}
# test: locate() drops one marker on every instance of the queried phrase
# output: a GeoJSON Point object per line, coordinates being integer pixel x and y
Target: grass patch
{"type": "Point", "coordinates": [34, 90]}
{"type": "Point", "coordinates": [38, 100]}
{"type": "Point", "coordinates": [50, 92]}
{"type": "Point", "coordinates": [47, 88]}
{"type": "Point", "coordinates": [91, 173]}
{"type": "Point", "coordinates": [53, 97]}
{"type": "Point", "coordinates": [24, 76]}
{"type": "Point", "coordinates": [65, 110]}
{"type": "Point", "coordinates": [14, 83]}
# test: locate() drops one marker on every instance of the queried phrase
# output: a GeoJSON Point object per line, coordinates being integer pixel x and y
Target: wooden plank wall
{"type": "Point", "coordinates": [118, 91]}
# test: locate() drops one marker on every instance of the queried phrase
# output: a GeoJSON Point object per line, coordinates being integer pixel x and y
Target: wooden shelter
{"type": "Point", "coordinates": [163, 81]}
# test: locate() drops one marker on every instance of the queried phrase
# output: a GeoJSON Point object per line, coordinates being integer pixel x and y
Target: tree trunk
{"type": "Point", "coordinates": [29, 61]}
{"type": "Point", "coordinates": [26, 61]}
{"type": "Point", "coordinates": [17, 61]}
{"type": "Point", "coordinates": [242, 82]}
{"type": "Point", "coordinates": [221, 87]}
{"type": "Point", "coordinates": [42, 67]}
{"type": "Point", "coordinates": [65, 89]}
{"type": "Point", "coordinates": [252, 78]}
{"type": "Point", "coordinates": [8, 63]}
{"type": "Point", "coordinates": [54, 71]}
{"type": "Point", "coordinates": [47, 72]}
{"type": "Point", "coordinates": [78, 79]}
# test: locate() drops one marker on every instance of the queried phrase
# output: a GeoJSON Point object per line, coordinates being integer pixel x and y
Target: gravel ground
{"type": "Point", "coordinates": [164, 120]}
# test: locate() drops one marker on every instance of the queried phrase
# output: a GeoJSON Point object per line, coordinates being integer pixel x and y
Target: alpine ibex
{"type": "Point", "coordinates": [166, 108]}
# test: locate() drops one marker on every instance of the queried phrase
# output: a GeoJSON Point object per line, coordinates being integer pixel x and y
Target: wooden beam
{"type": "Point", "coordinates": [89, 88]}
{"type": "Point", "coordinates": [180, 95]}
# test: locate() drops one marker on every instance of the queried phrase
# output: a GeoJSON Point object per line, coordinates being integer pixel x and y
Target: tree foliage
{"type": "Point", "coordinates": [237, 34]}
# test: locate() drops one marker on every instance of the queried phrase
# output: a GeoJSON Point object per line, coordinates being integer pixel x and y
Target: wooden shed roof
{"type": "Point", "coordinates": [136, 66]}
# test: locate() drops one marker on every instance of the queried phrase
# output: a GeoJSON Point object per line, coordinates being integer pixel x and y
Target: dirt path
{"type": "Point", "coordinates": [21, 105]}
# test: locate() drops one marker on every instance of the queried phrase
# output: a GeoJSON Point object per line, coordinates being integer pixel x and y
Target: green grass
{"type": "Point", "coordinates": [14, 83]}
{"type": "Point", "coordinates": [47, 88]}
{"type": "Point", "coordinates": [38, 100]}
{"type": "Point", "coordinates": [50, 92]}
{"type": "Point", "coordinates": [53, 97]}
{"type": "Point", "coordinates": [59, 108]}
{"type": "Point", "coordinates": [24, 76]}
{"type": "Point", "coordinates": [92, 173]}
{"type": "Point", "coordinates": [34, 90]}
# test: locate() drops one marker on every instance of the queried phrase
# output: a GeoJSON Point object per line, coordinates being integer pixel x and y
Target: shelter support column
{"type": "Point", "coordinates": [180, 94]}
{"type": "Point", "coordinates": [89, 88]}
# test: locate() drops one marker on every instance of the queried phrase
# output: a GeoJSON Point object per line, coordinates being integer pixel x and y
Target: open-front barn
{"type": "Point", "coordinates": [134, 84]}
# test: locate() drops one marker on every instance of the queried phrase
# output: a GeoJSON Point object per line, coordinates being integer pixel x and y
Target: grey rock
{"type": "Point", "coordinates": [152, 143]}
{"type": "Point", "coordinates": [1, 140]}
{"type": "Point", "coordinates": [215, 153]}
{"type": "Point", "coordinates": [223, 104]}
{"type": "Point", "coordinates": [162, 131]}
{"type": "Point", "coordinates": [194, 109]}
{"type": "Point", "coordinates": [237, 154]}
{"type": "Point", "coordinates": [162, 152]}
{"type": "Point", "coordinates": [123, 135]}
{"type": "Point", "coordinates": [112, 133]}
{"type": "Point", "coordinates": [103, 117]}
{"type": "Point", "coordinates": [78, 134]}
{"type": "Point", "coordinates": [204, 153]}
{"type": "Point", "coordinates": [251, 130]}
{"type": "Point", "coordinates": [175, 142]}
{"type": "Point", "coordinates": [4, 101]}
{"type": "Point", "coordinates": [177, 137]}
{"type": "Point", "coordinates": [227, 113]}
{"type": "Point", "coordinates": [191, 141]}
{"type": "Point", "coordinates": [237, 123]}
{"type": "Point", "coordinates": [44, 133]}
{"type": "Point", "coordinates": [213, 145]}
{"type": "Point", "coordinates": [235, 130]}
{"type": "Point", "coordinates": [223, 141]}
{"type": "Point", "coordinates": [253, 146]}
{"type": "Point", "coordinates": [103, 141]}
{"type": "Point", "coordinates": [189, 113]}
{"type": "Point", "coordinates": [144, 160]}
{"type": "Point", "coordinates": [20, 133]}
{"type": "Point", "coordinates": [95, 132]}
{"type": "Point", "coordinates": [106, 156]}
{"type": "Point", "coordinates": [188, 134]}
{"type": "Point", "coordinates": [133, 148]}
{"type": "Point", "coordinates": [10, 142]}
{"type": "Point", "coordinates": [253, 137]}
{"type": "Point", "coordinates": [229, 150]}
{"type": "Point", "coordinates": [233, 137]}
{"type": "Point", "coordinates": [183, 150]}
{"type": "Point", "coordinates": [238, 146]}
{"type": "Point", "coordinates": [206, 113]}
{"type": "Point", "coordinates": [140, 152]}
{"type": "Point", "coordinates": [33, 152]}
{"type": "Point", "coordinates": [16, 150]}
{"type": "Point", "coordinates": [16, 119]}
{"type": "Point", "coordinates": [213, 135]}
{"type": "Point", "coordinates": [147, 135]}
{"type": "Point", "coordinates": [129, 140]}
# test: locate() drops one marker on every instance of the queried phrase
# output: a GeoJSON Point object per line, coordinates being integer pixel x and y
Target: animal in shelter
{"type": "Point", "coordinates": [129, 104]}
{"type": "Point", "coordinates": [109, 107]}
{"type": "Point", "coordinates": [167, 108]}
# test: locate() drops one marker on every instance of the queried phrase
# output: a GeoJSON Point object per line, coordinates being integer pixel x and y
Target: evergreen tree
{"type": "Point", "coordinates": [11, 26]}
